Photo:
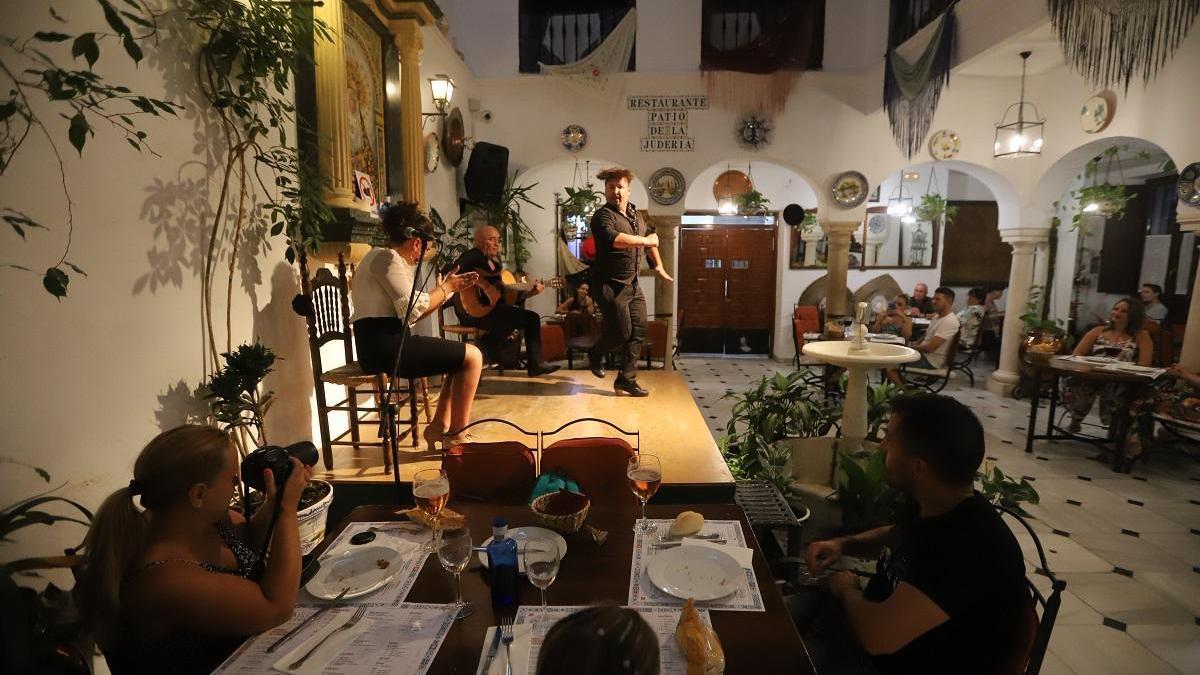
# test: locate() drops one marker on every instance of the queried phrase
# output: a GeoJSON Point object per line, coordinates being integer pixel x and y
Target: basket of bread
{"type": "Point", "coordinates": [563, 511]}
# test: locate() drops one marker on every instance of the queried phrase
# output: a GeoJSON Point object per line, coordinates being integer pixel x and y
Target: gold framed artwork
{"type": "Point", "coordinates": [364, 96]}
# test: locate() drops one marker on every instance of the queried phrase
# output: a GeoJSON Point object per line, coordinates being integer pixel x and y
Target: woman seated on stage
{"type": "Point", "coordinates": [1123, 339]}
{"type": "Point", "coordinates": [895, 321]}
{"type": "Point", "coordinates": [167, 589]}
{"type": "Point", "coordinates": [382, 287]}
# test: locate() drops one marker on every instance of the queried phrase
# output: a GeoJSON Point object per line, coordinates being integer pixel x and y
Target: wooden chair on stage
{"type": "Point", "coordinates": [554, 342]}
{"type": "Point", "coordinates": [597, 463]}
{"type": "Point", "coordinates": [501, 472]}
{"type": "Point", "coordinates": [329, 320]}
{"type": "Point", "coordinates": [655, 346]}
{"type": "Point", "coordinates": [582, 331]}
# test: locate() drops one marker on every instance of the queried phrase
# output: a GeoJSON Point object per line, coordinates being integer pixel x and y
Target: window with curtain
{"type": "Point", "coordinates": [555, 32]}
{"type": "Point", "coordinates": [762, 36]}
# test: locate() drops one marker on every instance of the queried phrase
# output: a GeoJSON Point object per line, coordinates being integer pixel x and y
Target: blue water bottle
{"type": "Point", "coordinates": [502, 565]}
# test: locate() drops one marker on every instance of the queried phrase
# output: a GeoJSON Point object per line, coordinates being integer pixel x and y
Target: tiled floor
{"type": "Point", "coordinates": [1128, 545]}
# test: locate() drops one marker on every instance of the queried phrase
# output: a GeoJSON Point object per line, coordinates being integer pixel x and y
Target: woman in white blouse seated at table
{"type": "Point", "coordinates": [383, 283]}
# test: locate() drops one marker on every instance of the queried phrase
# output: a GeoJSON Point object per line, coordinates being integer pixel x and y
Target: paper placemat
{"type": "Point", "coordinates": [662, 621]}
{"type": "Point", "coordinates": [399, 535]}
{"type": "Point", "coordinates": [643, 593]}
{"type": "Point", "coordinates": [401, 640]}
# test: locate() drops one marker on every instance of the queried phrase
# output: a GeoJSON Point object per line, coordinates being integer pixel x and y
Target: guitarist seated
{"type": "Point", "coordinates": [500, 319]}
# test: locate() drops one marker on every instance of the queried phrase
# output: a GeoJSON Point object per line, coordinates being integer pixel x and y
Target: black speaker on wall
{"type": "Point", "coordinates": [486, 171]}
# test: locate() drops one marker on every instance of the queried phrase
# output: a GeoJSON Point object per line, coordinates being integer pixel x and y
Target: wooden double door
{"type": "Point", "coordinates": [727, 289]}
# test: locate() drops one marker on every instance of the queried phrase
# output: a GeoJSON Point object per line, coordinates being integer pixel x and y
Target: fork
{"type": "Point", "coordinates": [673, 544]}
{"type": "Point", "coordinates": [358, 615]}
{"type": "Point", "coordinates": [506, 636]}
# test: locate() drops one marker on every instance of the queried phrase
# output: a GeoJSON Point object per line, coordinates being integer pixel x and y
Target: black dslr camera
{"type": "Point", "coordinates": [278, 460]}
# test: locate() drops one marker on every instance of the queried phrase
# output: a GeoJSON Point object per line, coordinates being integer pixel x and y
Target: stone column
{"type": "Point", "coordinates": [1189, 221]}
{"type": "Point", "coordinates": [407, 34]}
{"type": "Point", "coordinates": [1020, 279]}
{"type": "Point", "coordinates": [811, 237]}
{"type": "Point", "coordinates": [838, 262]}
{"type": "Point", "coordinates": [667, 228]}
{"type": "Point", "coordinates": [333, 130]}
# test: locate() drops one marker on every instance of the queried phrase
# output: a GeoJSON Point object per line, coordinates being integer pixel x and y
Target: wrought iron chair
{"type": "Point", "coordinates": [932, 380]}
{"type": "Point", "coordinates": [597, 463]}
{"type": "Point", "coordinates": [1030, 650]}
{"type": "Point", "coordinates": [501, 472]}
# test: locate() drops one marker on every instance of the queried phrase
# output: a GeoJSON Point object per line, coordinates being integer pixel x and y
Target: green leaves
{"type": "Point", "coordinates": [234, 389]}
{"type": "Point", "coordinates": [55, 282]}
{"type": "Point", "coordinates": [1000, 489]}
{"type": "Point", "coordinates": [85, 46]}
{"type": "Point", "coordinates": [79, 130]}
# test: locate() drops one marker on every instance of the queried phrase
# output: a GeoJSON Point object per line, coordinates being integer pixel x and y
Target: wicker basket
{"type": "Point", "coordinates": [566, 524]}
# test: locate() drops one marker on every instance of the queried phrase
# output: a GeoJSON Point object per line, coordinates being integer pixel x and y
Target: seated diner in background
{"type": "Point", "coordinates": [970, 318]}
{"type": "Point", "coordinates": [168, 588]}
{"type": "Point", "coordinates": [949, 588]}
{"type": "Point", "coordinates": [942, 329]}
{"type": "Point", "coordinates": [895, 321]}
{"type": "Point", "coordinates": [1175, 395]}
{"type": "Point", "coordinates": [581, 301]}
{"type": "Point", "coordinates": [382, 288]}
{"type": "Point", "coordinates": [1122, 338]}
{"type": "Point", "coordinates": [1155, 310]}
{"type": "Point", "coordinates": [920, 304]}
{"type": "Point", "coordinates": [600, 641]}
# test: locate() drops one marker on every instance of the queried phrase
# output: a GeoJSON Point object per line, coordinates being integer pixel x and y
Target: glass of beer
{"type": "Point", "coordinates": [431, 491]}
{"type": "Point", "coordinates": [645, 475]}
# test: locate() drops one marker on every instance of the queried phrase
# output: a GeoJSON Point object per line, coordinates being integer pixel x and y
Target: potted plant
{"type": "Point", "coordinates": [43, 632]}
{"type": "Point", "coordinates": [866, 499]}
{"type": "Point", "coordinates": [239, 405]}
{"type": "Point", "coordinates": [581, 202]}
{"type": "Point", "coordinates": [752, 203]}
{"type": "Point", "coordinates": [1044, 336]}
{"type": "Point", "coordinates": [505, 215]}
{"type": "Point", "coordinates": [766, 423]}
{"type": "Point", "coordinates": [1002, 490]}
{"type": "Point", "coordinates": [934, 207]}
{"type": "Point", "coordinates": [810, 220]}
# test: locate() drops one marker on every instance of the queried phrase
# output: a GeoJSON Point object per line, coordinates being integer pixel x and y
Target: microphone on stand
{"type": "Point", "coordinates": [412, 232]}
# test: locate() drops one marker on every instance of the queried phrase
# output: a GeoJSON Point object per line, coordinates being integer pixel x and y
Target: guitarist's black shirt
{"type": "Point", "coordinates": [615, 265]}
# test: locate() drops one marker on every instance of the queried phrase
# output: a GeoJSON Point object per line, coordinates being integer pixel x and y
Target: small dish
{"type": "Point", "coordinates": [358, 571]}
{"type": "Point", "coordinates": [697, 572]}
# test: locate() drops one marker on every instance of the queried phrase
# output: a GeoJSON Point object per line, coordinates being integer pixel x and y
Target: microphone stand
{"type": "Point", "coordinates": [388, 407]}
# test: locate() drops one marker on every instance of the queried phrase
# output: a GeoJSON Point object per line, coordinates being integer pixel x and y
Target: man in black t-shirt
{"type": "Point", "coordinates": [503, 319]}
{"type": "Point", "coordinates": [620, 237]}
{"type": "Point", "coordinates": [950, 586]}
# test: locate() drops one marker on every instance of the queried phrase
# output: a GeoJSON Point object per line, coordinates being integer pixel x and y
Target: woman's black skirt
{"type": "Point", "coordinates": [377, 340]}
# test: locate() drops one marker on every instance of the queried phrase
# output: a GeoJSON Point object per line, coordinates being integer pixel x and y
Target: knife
{"type": "Point", "coordinates": [291, 633]}
{"type": "Point", "coordinates": [492, 649]}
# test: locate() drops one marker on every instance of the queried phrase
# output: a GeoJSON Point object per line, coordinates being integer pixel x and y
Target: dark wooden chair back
{"type": "Point", "coordinates": [331, 307]}
{"type": "Point", "coordinates": [502, 472]}
{"type": "Point", "coordinates": [809, 317]}
{"type": "Point", "coordinates": [1033, 633]}
{"type": "Point", "coordinates": [554, 342]}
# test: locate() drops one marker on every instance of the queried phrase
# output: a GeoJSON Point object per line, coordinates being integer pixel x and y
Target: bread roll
{"type": "Point", "coordinates": [687, 524]}
{"type": "Point", "coordinates": [699, 643]}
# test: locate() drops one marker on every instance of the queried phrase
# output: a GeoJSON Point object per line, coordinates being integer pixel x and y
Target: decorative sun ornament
{"type": "Point", "coordinates": [753, 131]}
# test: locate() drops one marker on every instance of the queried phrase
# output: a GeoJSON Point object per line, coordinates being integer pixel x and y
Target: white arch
{"type": "Point", "coordinates": [1008, 203]}
{"type": "Point", "coordinates": [1051, 184]}
{"type": "Point", "coordinates": [820, 201]}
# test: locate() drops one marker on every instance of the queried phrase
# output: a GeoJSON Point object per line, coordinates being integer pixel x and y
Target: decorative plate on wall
{"type": "Point", "coordinates": [731, 184]}
{"type": "Point", "coordinates": [944, 144]}
{"type": "Point", "coordinates": [433, 153]}
{"type": "Point", "coordinates": [574, 137]}
{"type": "Point", "coordinates": [849, 189]}
{"type": "Point", "coordinates": [456, 138]}
{"type": "Point", "coordinates": [1097, 112]}
{"type": "Point", "coordinates": [666, 186]}
{"type": "Point", "coordinates": [1189, 185]}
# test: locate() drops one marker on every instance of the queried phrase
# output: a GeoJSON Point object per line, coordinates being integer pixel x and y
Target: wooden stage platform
{"type": "Point", "coordinates": [670, 424]}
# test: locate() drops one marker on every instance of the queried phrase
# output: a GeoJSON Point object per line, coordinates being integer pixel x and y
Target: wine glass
{"type": "Point", "coordinates": [454, 554]}
{"type": "Point", "coordinates": [541, 564]}
{"type": "Point", "coordinates": [645, 475]}
{"type": "Point", "coordinates": [431, 491]}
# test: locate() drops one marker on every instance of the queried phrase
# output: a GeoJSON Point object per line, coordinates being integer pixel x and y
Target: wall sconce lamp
{"type": "Point", "coordinates": [442, 88]}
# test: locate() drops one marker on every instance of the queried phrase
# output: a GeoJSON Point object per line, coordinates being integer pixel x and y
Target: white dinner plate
{"type": "Point", "coordinates": [522, 535]}
{"type": "Point", "coordinates": [359, 571]}
{"type": "Point", "coordinates": [1098, 359]}
{"type": "Point", "coordinates": [697, 572]}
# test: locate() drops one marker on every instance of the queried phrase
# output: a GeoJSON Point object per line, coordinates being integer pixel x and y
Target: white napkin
{"type": "Point", "coordinates": [522, 632]}
{"type": "Point", "coordinates": [743, 555]}
{"type": "Point", "coordinates": [332, 647]}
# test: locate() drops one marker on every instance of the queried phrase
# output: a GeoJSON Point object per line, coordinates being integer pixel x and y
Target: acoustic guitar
{"type": "Point", "coordinates": [479, 301]}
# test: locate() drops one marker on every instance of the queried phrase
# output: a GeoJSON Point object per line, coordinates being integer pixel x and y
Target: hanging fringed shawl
{"type": "Point", "coordinates": [598, 73]}
{"type": "Point", "coordinates": [568, 264]}
{"type": "Point", "coordinates": [749, 92]}
{"type": "Point", "coordinates": [911, 89]}
{"type": "Point", "coordinates": [1110, 41]}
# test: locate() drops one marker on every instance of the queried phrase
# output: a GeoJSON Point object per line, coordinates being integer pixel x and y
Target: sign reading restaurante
{"type": "Point", "coordinates": [667, 121]}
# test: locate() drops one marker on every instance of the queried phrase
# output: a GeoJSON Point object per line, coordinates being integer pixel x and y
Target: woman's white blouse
{"type": "Point", "coordinates": [382, 284]}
